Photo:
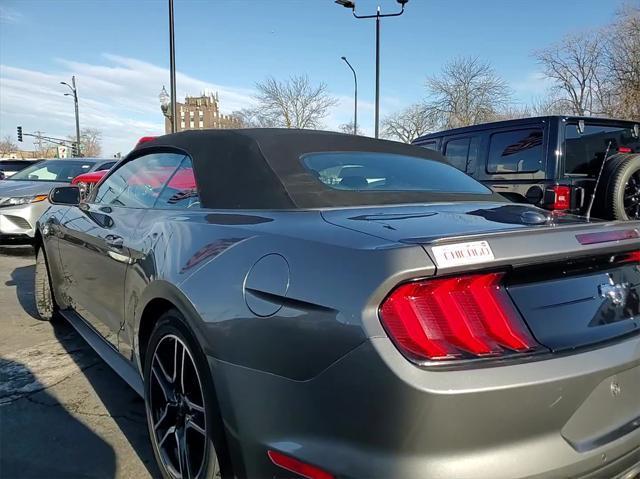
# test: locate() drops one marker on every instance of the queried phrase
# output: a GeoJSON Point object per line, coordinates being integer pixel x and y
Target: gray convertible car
{"type": "Point", "coordinates": [312, 304]}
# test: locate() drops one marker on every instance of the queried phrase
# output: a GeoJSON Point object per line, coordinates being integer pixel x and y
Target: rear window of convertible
{"type": "Point", "coordinates": [373, 171]}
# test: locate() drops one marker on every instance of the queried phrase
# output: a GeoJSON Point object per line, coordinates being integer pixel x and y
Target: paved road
{"type": "Point", "coordinates": [63, 412]}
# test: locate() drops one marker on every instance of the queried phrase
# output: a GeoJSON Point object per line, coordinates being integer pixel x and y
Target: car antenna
{"type": "Point", "coordinates": [595, 188]}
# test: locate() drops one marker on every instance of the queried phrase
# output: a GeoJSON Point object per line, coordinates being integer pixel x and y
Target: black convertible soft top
{"type": "Point", "coordinates": [261, 168]}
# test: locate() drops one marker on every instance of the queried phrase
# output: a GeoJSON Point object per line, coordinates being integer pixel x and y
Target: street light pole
{"type": "Point", "coordinates": [355, 97]}
{"type": "Point", "coordinates": [351, 4]}
{"type": "Point", "coordinates": [74, 91]}
{"type": "Point", "coordinates": [377, 114]}
{"type": "Point", "coordinates": [172, 67]}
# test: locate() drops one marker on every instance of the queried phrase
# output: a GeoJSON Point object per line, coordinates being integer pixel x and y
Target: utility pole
{"type": "Point", "coordinates": [355, 96]}
{"type": "Point", "coordinates": [377, 114]}
{"type": "Point", "coordinates": [350, 4]}
{"type": "Point", "coordinates": [38, 139]}
{"type": "Point", "coordinates": [172, 67]}
{"type": "Point", "coordinates": [74, 93]}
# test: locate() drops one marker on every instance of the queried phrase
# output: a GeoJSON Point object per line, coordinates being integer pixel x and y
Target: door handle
{"type": "Point", "coordinates": [114, 241]}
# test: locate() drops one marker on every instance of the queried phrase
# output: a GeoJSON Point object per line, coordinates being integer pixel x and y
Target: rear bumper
{"type": "Point", "coordinates": [373, 414]}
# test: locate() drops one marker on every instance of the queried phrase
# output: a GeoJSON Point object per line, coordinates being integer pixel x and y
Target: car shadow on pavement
{"type": "Point", "coordinates": [40, 440]}
{"type": "Point", "coordinates": [22, 279]}
{"type": "Point", "coordinates": [16, 250]}
{"type": "Point", "coordinates": [122, 404]}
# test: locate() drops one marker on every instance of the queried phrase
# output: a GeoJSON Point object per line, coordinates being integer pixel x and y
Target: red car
{"type": "Point", "coordinates": [87, 181]}
{"type": "Point", "coordinates": [181, 180]}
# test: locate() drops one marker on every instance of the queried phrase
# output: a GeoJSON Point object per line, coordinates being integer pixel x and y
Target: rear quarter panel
{"type": "Point", "coordinates": [293, 317]}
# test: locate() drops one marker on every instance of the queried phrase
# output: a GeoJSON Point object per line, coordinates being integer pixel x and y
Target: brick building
{"type": "Point", "coordinates": [200, 112]}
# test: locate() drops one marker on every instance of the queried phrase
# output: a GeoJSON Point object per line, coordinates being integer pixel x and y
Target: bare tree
{"type": "Point", "coordinates": [293, 103]}
{"type": "Point", "coordinates": [348, 128]}
{"type": "Point", "coordinates": [543, 106]}
{"type": "Point", "coordinates": [466, 92]}
{"type": "Point", "coordinates": [7, 146]}
{"type": "Point", "coordinates": [90, 142]}
{"type": "Point", "coordinates": [549, 104]}
{"type": "Point", "coordinates": [577, 66]}
{"type": "Point", "coordinates": [515, 111]}
{"type": "Point", "coordinates": [622, 54]}
{"type": "Point", "coordinates": [410, 123]}
{"type": "Point", "coordinates": [253, 118]}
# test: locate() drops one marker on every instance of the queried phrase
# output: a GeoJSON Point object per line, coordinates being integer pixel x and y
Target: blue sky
{"type": "Point", "coordinates": [118, 51]}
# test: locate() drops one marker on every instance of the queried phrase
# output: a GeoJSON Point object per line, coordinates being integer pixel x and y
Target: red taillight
{"type": "Point", "coordinates": [561, 198]}
{"type": "Point", "coordinates": [145, 139]}
{"type": "Point", "coordinates": [298, 467]}
{"type": "Point", "coordinates": [625, 149]}
{"type": "Point", "coordinates": [455, 318]}
{"type": "Point", "coordinates": [633, 257]}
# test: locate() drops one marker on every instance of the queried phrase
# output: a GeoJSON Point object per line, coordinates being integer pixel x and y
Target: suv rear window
{"type": "Point", "coordinates": [372, 171]}
{"type": "Point", "coordinates": [516, 151]}
{"type": "Point", "coordinates": [584, 152]}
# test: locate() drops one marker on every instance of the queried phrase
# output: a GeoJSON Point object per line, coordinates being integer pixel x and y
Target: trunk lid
{"type": "Point", "coordinates": [573, 305]}
{"type": "Point", "coordinates": [426, 223]}
{"type": "Point", "coordinates": [572, 290]}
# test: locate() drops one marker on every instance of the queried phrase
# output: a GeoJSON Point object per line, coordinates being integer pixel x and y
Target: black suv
{"type": "Point", "coordinates": [551, 161]}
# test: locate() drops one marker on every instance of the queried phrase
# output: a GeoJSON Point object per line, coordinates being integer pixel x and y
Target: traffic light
{"type": "Point", "coordinates": [74, 149]}
{"type": "Point", "coordinates": [19, 133]}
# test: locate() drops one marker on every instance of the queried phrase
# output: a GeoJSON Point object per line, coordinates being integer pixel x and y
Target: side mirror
{"type": "Point", "coordinates": [636, 131]}
{"type": "Point", "coordinates": [65, 195]}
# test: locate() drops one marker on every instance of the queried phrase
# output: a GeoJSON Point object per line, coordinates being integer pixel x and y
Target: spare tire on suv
{"type": "Point", "coordinates": [619, 196]}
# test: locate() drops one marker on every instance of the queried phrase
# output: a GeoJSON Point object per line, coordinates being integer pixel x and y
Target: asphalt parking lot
{"type": "Point", "coordinates": [63, 412]}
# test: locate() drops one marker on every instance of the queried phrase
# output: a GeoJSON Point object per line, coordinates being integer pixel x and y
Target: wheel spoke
{"type": "Point", "coordinates": [163, 381]}
{"type": "Point", "coordinates": [193, 406]}
{"type": "Point", "coordinates": [182, 371]}
{"type": "Point", "coordinates": [183, 453]}
{"type": "Point", "coordinates": [190, 424]}
{"type": "Point", "coordinates": [175, 360]}
{"type": "Point", "coordinates": [170, 432]}
{"type": "Point", "coordinates": [162, 419]}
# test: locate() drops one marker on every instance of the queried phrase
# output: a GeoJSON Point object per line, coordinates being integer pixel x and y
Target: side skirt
{"type": "Point", "coordinates": [113, 358]}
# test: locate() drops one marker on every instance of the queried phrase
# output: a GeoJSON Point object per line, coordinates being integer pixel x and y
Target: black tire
{"type": "Point", "coordinates": [620, 197]}
{"type": "Point", "coordinates": [208, 450]}
{"type": "Point", "coordinates": [43, 294]}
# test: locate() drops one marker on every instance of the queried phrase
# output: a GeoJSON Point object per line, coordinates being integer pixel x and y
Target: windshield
{"type": "Point", "coordinates": [13, 166]}
{"type": "Point", "coordinates": [369, 172]}
{"type": "Point", "coordinates": [54, 170]}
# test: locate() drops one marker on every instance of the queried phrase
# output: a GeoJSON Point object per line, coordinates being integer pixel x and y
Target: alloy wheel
{"type": "Point", "coordinates": [631, 193]}
{"type": "Point", "coordinates": [177, 409]}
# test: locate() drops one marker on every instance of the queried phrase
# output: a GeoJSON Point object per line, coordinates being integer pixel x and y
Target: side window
{"type": "Point", "coordinates": [517, 151]}
{"type": "Point", "coordinates": [106, 166]}
{"type": "Point", "coordinates": [457, 152]}
{"type": "Point", "coordinates": [138, 183]}
{"type": "Point", "coordinates": [181, 190]}
{"type": "Point", "coordinates": [472, 159]}
{"type": "Point", "coordinates": [432, 145]}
